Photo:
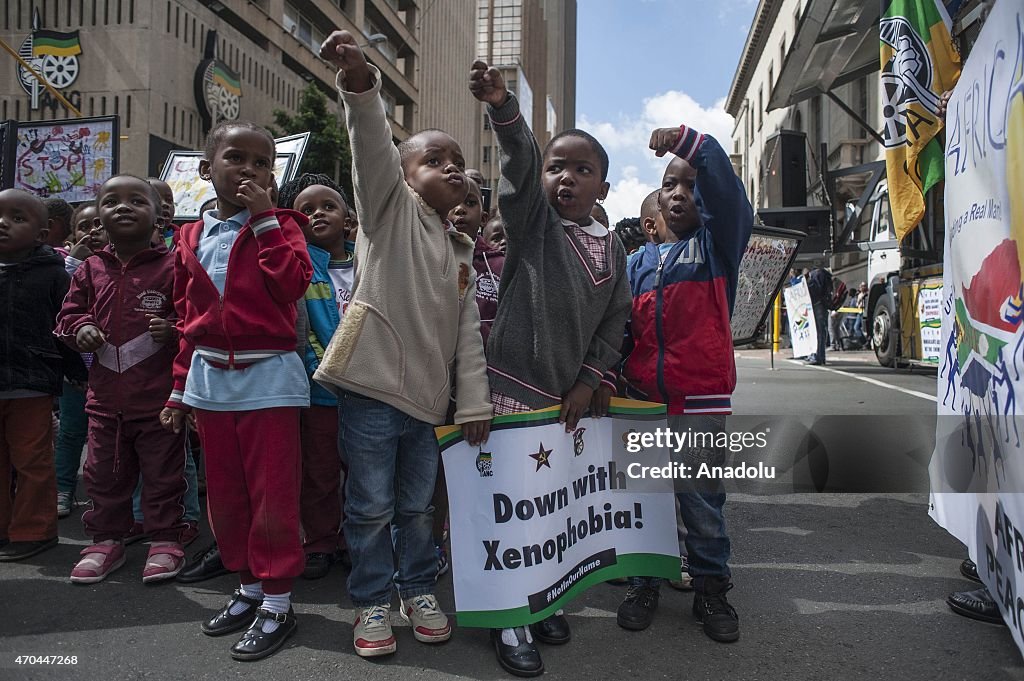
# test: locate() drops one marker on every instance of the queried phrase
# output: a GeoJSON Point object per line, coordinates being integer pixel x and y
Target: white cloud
{"type": "Point", "coordinates": [634, 169]}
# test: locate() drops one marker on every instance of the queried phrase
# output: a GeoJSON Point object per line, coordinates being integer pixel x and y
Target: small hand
{"type": "Point", "coordinates": [341, 50]}
{"type": "Point", "coordinates": [172, 419]}
{"type": "Point", "coordinates": [161, 330]}
{"type": "Point", "coordinates": [89, 338]}
{"type": "Point", "coordinates": [476, 432]}
{"type": "Point", "coordinates": [663, 139]}
{"type": "Point", "coordinates": [943, 104]}
{"type": "Point", "coordinates": [486, 84]}
{"type": "Point", "coordinates": [602, 398]}
{"type": "Point", "coordinates": [574, 404]}
{"type": "Point", "coordinates": [254, 197]}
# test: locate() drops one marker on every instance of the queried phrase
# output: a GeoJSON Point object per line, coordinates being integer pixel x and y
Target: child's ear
{"type": "Point", "coordinates": [204, 169]}
{"type": "Point", "coordinates": [649, 225]}
{"type": "Point", "coordinates": [484, 219]}
{"type": "Point", "coordinates": [603, 194]}
{"type": "Point", "coordinates": [43, 235]}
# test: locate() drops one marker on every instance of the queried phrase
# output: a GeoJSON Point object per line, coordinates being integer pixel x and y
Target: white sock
{"type": "Point", "coordinates": [509, 638]}
{"type": "Point", "coordinates": [276, 603]}
{"type": "Point", "coordinates": [254, 591]}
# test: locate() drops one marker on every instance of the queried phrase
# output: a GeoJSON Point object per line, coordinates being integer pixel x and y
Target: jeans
{"type": "Point", "coordinates": [191, 500]}
{"type": "Point", "coordinates": [707, 541]}
{"type": "Point", "coordinates": [71, 438]}
{"type": "Point", "coordinates": [392, 465]}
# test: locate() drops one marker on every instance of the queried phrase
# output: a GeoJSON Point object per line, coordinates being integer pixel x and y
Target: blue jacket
{"type": "Point", "coordinates": [324, 319]}
{"type": "Point", "coordinates": [679, 341]}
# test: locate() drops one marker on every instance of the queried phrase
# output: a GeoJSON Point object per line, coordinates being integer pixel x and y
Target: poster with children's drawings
{"type": "Point", "coordinates": [802, 328]}
{"type": "Point", "coordinates": [181, 173]}
{"type": "Point", "coordinates": [538, 515]}
{"type": "Point", "coordinates": [769, 255]}
{"type": "Point", "coordinates": [67, 159]}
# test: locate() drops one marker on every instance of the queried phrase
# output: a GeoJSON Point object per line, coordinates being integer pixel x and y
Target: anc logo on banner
{"type": "Point", "coordinates": [218, 91]}
{"type": "Point", "coordinates": [919, 63]}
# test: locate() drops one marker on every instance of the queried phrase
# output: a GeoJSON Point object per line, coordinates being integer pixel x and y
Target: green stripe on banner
{"type": "Point", "coordinates": [628, 565]}
{"type": "Point", "coordinates": [656, 410]}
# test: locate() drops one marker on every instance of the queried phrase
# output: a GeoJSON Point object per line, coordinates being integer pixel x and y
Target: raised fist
{"type": "Point", "coordinates": [486, 84]}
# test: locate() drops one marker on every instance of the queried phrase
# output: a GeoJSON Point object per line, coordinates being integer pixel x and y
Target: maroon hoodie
{"type": "Point", "coordinates": [488, 262]}
{"type": "Point", "coordinates": [131, 373]}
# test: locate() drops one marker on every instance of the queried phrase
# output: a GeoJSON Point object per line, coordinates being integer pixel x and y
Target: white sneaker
{"type": "Point", "coordinates": [371, 634]}
{"type": "Point", "coordinates": [429, 624]}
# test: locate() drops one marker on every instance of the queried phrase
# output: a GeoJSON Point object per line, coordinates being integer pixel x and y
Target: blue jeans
{"type": "Point", "coordinates": [707, 541]}
{"type": "Point", "coordinates": [71, 438]}
{"type": "Point", "coordinates": [392, 464]}
{"type": "Point", "coordinates": [191, 499]}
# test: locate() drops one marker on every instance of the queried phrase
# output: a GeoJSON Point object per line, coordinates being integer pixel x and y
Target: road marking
{"type": "Point", "coordinates": [795, 531]}
{"type": "Point", "coordinates": [872, 381]}
{"type": "Point", "coordinates": [805, 607]}
{"type": "Point", "coordinates": [927, 566]}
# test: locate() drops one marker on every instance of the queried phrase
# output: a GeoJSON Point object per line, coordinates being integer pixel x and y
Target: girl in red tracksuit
{"type": "Point", "coordinates": [238, 274]}
{"type": "Point", "coordinates": [117, 308]}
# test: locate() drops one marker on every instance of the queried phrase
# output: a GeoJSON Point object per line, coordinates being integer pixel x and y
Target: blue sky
{"type": "Point", "coordinates": [643, 64]}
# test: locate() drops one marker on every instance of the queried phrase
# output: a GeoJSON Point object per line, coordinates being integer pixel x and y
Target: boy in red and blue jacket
{"type": "Point", "coordinates": [679, 347]}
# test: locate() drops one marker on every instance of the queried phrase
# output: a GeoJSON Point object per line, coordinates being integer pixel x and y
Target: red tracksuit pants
{"type": "Point", "coordinates": [253, 465]}
{"type": "Point", "coordinates": [119, 451]}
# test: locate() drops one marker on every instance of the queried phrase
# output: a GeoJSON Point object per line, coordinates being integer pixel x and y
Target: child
{"type": "Point", "coordinates": [167, 227]}
{"type": "Point", "coordinates": [238, 273]}
{"type": "Point", "coordinates": [468, 216]}
{"type": "Point", "coordinates": [324, 203]}
{"type": "Point", "coordinates": [133, 348]}
{"type": "Point", "coordinates": [564, 299]}
{"type": "Point", "coordinates": [32, 285]}
{"type": "Point", "coordinates": [411, 325]}
{"type": "Point", "coordinates": [489, 262]}
{"type": "Point", "coordinates": [58, 222]}
{"type": "Point", "coordinates": [87, 237]}
{"type": "Point", "coordinates": [685, 356]}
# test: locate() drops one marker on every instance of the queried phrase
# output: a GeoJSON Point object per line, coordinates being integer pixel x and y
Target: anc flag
{"type": "Point", "coordinates": [55, 43]}
{"type": "Point", "coordinates": [919, 63]}
{"type": "Point", "coordinates": [227, 80]}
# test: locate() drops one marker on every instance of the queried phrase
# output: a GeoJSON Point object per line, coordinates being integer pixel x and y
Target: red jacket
{"type": "Point", "coordinates": [268, 270]}
{"type": "Point", "coordinates": [131, 374]}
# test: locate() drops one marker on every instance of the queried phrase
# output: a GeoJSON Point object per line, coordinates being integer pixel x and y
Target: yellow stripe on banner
{"type": "Point", "coordinates": [849, 310]}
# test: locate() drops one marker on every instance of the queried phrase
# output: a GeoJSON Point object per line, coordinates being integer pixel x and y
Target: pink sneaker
{"type": "Point", "coordinates": [165, 560]}
{"type": "Point", "coordinates": [98, 561]}
{"type": "Point", "coordinates": [190, 533]}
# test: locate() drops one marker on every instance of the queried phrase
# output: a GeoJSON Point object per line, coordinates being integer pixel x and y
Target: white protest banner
{"type": "Point", "coordinates": [977, 470]}
{"type": "Point", "coordinates": [538, 514]}
{"type": "Point", "coordinates": [802, 331]}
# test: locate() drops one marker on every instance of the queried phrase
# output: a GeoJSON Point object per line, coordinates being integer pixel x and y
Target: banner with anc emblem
{"type": "Point", "coordinates": [977, 470]}
{"type": "Point", "coordinates": [538, 515]}
{"type": "Point", "coordinates": [919, 63]}
{"type": "Point", "coordinates": [803, 332]}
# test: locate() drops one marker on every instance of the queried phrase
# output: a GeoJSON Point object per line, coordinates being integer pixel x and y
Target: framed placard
{"type": "Point", "coordinates": [68, 159]}
{"type": "Point", "coordinates": [292, 144]}
{"type": "Point", "coordinates": [769, 256]}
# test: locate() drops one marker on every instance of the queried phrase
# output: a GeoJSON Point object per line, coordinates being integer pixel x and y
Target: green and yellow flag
{"type": "Point", "coordinates": [919, 63]}
{"type": "Point", "coordinates": [55, 43]}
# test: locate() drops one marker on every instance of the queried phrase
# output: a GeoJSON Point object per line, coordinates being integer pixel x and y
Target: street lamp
{"type": "Point", "coordinates": [375, 39]}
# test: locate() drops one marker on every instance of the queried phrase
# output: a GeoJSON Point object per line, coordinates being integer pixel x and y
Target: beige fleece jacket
{"type": "Point", "coordinates": [413, 321]}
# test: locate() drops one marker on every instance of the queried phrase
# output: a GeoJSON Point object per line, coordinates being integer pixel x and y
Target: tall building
{"type": "Point", "coordinates": [147, 61]}
{"type": "Point", "coordinates": [533, 44]}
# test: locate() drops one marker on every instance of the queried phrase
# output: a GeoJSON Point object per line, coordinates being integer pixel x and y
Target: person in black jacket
{"type": "Point", "coordinates": [33, 284]}
{"type": "Point", "coordinates": [819, 286]}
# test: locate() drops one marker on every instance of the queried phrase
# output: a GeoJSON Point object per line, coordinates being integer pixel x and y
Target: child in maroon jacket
{"type": "Point", "coordinates": [117, 308]}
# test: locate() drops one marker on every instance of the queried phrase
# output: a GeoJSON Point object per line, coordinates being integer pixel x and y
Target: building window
{"type": "Point", "coordinates": [128, 112]}
{"type": "Point", "coordinates": [487, 122]}
{"type": "Point", "coordinates": [760, 107]}
{"type": "Point", "coordinates": [782, 52]}
{"type": "Point", "coordinates": [771, 77]}
{"type": "Point", "coordinates": [862, 106]}
{"type": "Point", "coordinates": [103, 106]}
{"type": "Point", "coordinates": [487, 155]}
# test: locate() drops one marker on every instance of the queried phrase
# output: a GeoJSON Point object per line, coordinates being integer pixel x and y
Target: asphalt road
{"type": "Point", "coordinates": [833, 585]}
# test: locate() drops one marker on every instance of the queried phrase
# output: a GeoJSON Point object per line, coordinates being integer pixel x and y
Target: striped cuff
{"type": "Point", "coordinates": [688, 144]}
{"type": "Point", "coordinates": [261, 224]}
{"type": "Point", "coordinates": [506, 114]}
{"type": "Point", "coordinates": [609, 380]}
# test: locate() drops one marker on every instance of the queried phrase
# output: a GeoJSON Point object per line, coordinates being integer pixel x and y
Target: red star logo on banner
{"type": "Point", "coordinates": [542, 457]}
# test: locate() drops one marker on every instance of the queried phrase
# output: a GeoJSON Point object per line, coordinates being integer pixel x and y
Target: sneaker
{"type": "Point", "coordinates": [165, 560]}
{"type": "Point", "coordinates": [636, 612]}
{"type": "Point", "coordinates": [190, 533]}
{"type": "Point", "coordinates": [98, 561]}
{"type": "Point", "coordinates": [136, 534]}
{"type": "Point", "coordinates": [429, 624]}
{"type": "Point", "coordinates": [371, 634]}
{"type": "Point", "coordinates": [18, 550]}
{"type": "Point", "coordinates": [65, 502]}
{"type": "Point", "coordinates": [318, 564]}
{"type": "Point", "coordinates": [710, 607]}
{"type": "Point", "coordinates": [442, 561]}
{"type": "Point", "coordinates": [685, 581]}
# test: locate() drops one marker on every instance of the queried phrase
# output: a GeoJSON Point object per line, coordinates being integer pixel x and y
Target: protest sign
{"type": "Point", "coordinates": [977, 470]}
{"type": "Point", "coordinates": [769, 255]}
{"type": "Point", "coordinates": [67, 159]}
{"type": "Point", "coordinates": [538, 514]}
{"type": "Point", "coordinates": [802, 329]}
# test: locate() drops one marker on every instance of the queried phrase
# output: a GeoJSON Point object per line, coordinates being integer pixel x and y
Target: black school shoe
{"type": "Point", "coordinates": [522, 659]}
{"type": "Point", "coordinates": [977, 604]}
{"type": "Point", "coordinates": [636, 612]}
{"type": "Point", "coordinates": [317, 565]}
{"type": "Point", "coordinates": [206, 565]}
{"type": "Point", "coordinates": [554, 630]}
{"type": "Point", "coordinates": [225, 623]}
{"type": "Point", "coordinates": [710, 607]}
{"type": "Point", "coordinates": [19, 550]}
{"type": "Point", "coordinates": [255, 644]}
{"type": "Point", "coordinates": [970, 570]}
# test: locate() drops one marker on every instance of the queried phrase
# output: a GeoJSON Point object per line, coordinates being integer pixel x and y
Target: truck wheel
{"type": "Point", "coordinates": [881, 332]}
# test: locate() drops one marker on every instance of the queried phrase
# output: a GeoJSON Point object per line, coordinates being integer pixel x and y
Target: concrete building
{"type": "Point", "coordinates": [139, 60]}
{"type": "Point", "coordinates": [533, 43]}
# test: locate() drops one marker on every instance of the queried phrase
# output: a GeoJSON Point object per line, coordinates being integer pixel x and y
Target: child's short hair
{"type": "Point", "coordinates": [58, 209]}
{"type": "Point", "coordinates": [78, 211]}
{"type": "Point", "coordinates": [290, 191]}
{"type": "Point", "coordinates": [631, 233]}
{"type": "Point", "coordinates": [412, 143]}
{"type": "Point", "coordinates": [216, 136]}
{"type": "Point", "coordinates": [602, 155]}
{"type": "Point", "coordinates": [153, 192]}
{"type": "Point", "coordinates": [38, 205]}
